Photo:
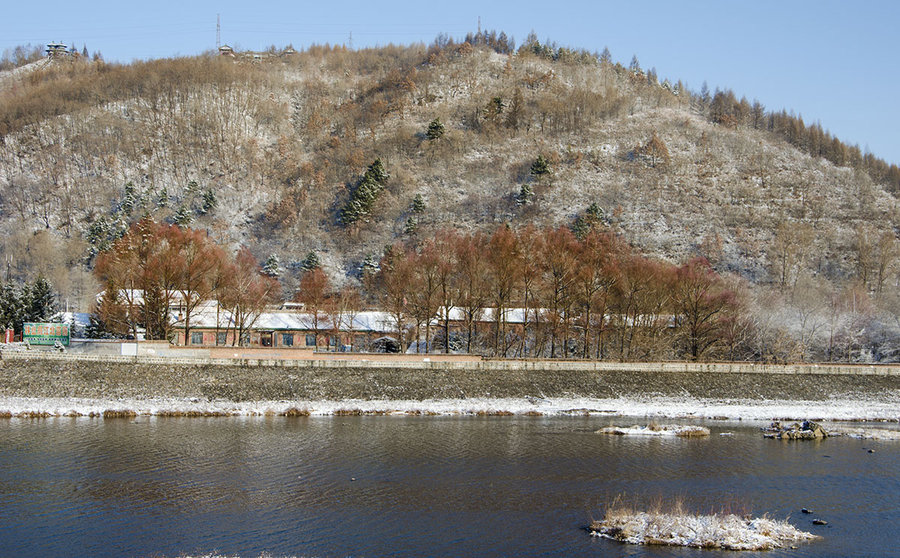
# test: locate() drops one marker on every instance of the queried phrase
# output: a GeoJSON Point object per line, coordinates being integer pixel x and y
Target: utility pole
{"type": "Point", "coordinates": [218, 33]}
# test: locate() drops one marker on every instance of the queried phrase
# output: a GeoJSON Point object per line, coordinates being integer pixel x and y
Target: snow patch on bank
{"type": "Point", "coordinates": [650, 407]}
{"type": "Point", "coordinates": [866, 433]}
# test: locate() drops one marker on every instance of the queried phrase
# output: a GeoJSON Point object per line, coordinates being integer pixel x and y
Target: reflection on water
{"type": "Point", "coordinates": [412, 486]}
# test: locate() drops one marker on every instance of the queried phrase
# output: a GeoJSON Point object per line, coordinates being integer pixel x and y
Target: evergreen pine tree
{"type": "Point", "coordinates": [411, 225]}
{"type": "Point", "coordinates": [526, 194]}
{"type": "Point", "coordinates": [38, 300]}
{"type": "Point", "coordinates": [418, 204]}
{"type": "Point", "coordinates": [209, 201]}
{"type": "Point", "coordinates": [376, 172]}
{"type": "Point", "coordinates": [363, 197]}
{"type": "Point", "coordinates": [11, 308]}
{"type": "Point", "coordinates": [163, 199]}
{"type": "Point", "coordinates": [96, 329]}
{"type": "Point", "coordinates": [182, 216]}
{"type": "Point", "coordinates": [130, 199]}
{"type": "Point", "coordinates": [540, 167]}
{"type": "Point", "coordinates": [272, 266]}
{"type": "Point", "coordinates": [592, 218]}
{"type": "Point", "coordinates": [595, 213]}
{"type": "Point", "coordinates": [311, 261]}
{"type": "Point", "coordinates": [435, 130]}
{"type": "Point", "coordinates": [97, 236]}
{"type": "Point", "coordinates": [370, 266]}
{"type": "Point", "coordinates": [580, 227]}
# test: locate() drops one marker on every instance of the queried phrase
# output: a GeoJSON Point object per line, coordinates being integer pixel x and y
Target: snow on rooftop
{"type": "Point", "coordinates": [210, 317]}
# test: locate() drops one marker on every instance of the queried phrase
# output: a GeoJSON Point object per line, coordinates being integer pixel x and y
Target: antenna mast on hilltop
{"type": "Point", "coordinates": [218, 33]}
{"type": "Point", "coordinates": [479, 25]}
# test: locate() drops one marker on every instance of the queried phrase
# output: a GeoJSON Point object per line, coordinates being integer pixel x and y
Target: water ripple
{"type": "Point", "coordinates": [410, 486]}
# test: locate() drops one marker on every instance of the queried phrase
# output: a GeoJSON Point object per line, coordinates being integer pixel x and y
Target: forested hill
{"type": "Point", "coordinates": [269, 151]}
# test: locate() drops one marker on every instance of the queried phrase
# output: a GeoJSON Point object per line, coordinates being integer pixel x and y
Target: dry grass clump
{"type": "Point", "coordinates": [34, 414]}
{"type": "Point", "coordinates": [295, 412]}
{"type": "Point", "coordinates": [5, 414]}
{"type": "Point", "coordinates": [653, 429]}
{"type": "Point", "coordinates": [533, 414]}
{"type": "Point", "coordinates": [492, 413]}
{"type": "Point", "coordinates": [693, 432]}
{"type": "Point", "coordinates": [348, 413]}
{"type": "Point", "coordinates": [672, 525]}
{"type": "Point", "coordinates": [193, 414]}
{"type": "Point", "coordinates": [114, 414]}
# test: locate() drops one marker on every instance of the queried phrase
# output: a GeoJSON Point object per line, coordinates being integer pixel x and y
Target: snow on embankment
{"type": "Point", "coordinates": [728, 532]}
{"type": "Point", "coordinates": [687, 408]}
{"type": "Point", "coordinates": [67, 386]}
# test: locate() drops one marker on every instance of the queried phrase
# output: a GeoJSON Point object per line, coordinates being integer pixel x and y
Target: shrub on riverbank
{"type": "Point", "coordinates": [675, 527]}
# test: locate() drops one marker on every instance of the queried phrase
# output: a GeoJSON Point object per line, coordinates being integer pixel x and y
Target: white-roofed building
{"type": "Point", "coordinates": [213, 326]}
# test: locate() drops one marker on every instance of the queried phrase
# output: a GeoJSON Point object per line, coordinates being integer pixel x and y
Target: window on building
{"type": "Point", "coordinates": [310, 340]}
{"type": "Point", "coordinates": [221, 338]}
{"type": "Point", "coordinates": [265, 339]}
{"type": "Point", "coordinates": [287, 339]}
{"type": "Point", "coordinates": [196, 338]}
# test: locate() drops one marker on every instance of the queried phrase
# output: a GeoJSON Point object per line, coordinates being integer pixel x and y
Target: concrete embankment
{"type": "Point", "coordinates": [24, 375]}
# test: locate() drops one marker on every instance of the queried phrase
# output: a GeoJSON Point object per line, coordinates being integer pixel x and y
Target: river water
{"type": "Point", "coordinates": [415, 486]}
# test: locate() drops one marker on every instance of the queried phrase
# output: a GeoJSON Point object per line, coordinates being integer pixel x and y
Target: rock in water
{"type": "Point", "coordinates": [807, 430]}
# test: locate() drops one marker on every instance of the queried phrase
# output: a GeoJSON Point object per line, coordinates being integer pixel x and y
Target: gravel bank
{"type": "Point", "coordinates": [40, 378]}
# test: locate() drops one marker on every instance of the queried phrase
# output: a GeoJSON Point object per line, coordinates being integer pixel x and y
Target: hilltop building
{"type": "Point", "coordinates": [56, 51]}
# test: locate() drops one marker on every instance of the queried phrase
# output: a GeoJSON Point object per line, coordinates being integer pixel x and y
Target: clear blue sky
{"type": "Point", "coordinates": [830, 61]}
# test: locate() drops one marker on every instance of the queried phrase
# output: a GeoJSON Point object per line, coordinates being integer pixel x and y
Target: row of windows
{"type": "Point", "coordinates": [221, 338]}
{"type": "Point", "coordinates": [265, 339]}
{"type": "Point", "coordinates": [287, 340]}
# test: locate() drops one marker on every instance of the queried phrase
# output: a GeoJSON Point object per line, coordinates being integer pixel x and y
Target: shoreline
{"type": "Point", "coordinates": [60, 385]}
{"type": "Point", "coordinates": [649, 408]}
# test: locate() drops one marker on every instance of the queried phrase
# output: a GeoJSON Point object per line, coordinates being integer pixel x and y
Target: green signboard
{"type": "Point", "coordinates": [46, 334]}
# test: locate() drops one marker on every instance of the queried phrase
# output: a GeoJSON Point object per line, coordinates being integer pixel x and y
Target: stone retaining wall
{"type": "Point", "coordinates": [49, 375]}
